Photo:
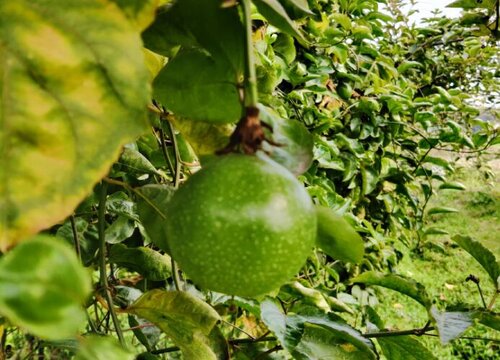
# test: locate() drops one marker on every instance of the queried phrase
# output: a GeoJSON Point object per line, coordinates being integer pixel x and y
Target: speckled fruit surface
{"type": "Point", "coordinates": [241, 226]}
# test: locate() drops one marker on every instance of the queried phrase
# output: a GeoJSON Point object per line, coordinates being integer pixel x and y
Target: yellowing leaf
{"type": "Point", "coordinates": [189, 321]}
{"type": "Point", "coordinates": [73, 89]}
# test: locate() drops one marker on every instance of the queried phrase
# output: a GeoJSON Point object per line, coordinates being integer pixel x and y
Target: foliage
{"type": "Point", "coordinates": [349, 98]}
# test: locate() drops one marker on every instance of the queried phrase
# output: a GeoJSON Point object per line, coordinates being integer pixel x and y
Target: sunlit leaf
{"type": "Point", "coordinates": [397, 283]}
{"type": "Point", "coordinates": [43, 287]}
{"type": "Point", "coordinates": [140, 12]}
{"type": "Point", "coordinates": [187, 320]}
{"type": "Point", "coordinates": [74, 89]}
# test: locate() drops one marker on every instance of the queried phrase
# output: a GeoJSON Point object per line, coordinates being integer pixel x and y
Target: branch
{"type": "Point", "coordinates": [418, 332]}
{"type": "Point", "coordinates": [102, 260]}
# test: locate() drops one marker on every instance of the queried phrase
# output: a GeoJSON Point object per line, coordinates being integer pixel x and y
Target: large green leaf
{"type": "Point", "coordinates": [102, 348]}
{"type": "Point", "coordinates": [203, 24]}
{"type": "Point", "coordinates": [337, 238]}
{"type": "Point", "coordinates": [147, 262]}
{"type": "Point", "coordinates": [397, 283]}
{"type": "Point", "coordinates": [189, 321]}
{"type": "Point", "coordinates": [404, 348]}
{"type": "Point", "coordinates": [197, 86]}
{"type": "Point", "coordinates": [483, 256]}
{"type": "Point", "coordinates": [73, 89]}
{"type": "Point", "coordinates": [43, 287]}
{"type": "Point", "coordinates": [452, 324]}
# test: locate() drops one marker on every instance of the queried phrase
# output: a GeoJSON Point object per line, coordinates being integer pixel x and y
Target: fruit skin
{"type": "Point", "coordinates": [244, 225]}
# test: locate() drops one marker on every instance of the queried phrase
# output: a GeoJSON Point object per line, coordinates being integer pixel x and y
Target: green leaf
{"type": "Point", "coordinates": [445, 164]}
{"type": "Point", "coordinates": [318, 342]}
{"type": "Point", "coordinates": [397, 283]}
{"type": "Point", "coordinates": [204, 25]}
{"type": "Point", "coordinates": [441, 210]}
{"type": "Point", "coordinates": [276, 14]}
{"type": "Point", "coordinates": [404, 348]}
{"type": "Point", "coordinates": [285, 47]}
{"type": "Point", "coordinates": [435, 231]}
{"type": "Point", "coordinates": [482, 255]}
{"type": "Point", "coordinates": [295, 143]}
{"type": "Point", "coordinates": [59, 134]}
{"type": "Point", "coordinates": [303, 336]}
{"type": "Point", "coordinates": [43, 287]}
{"type": "Point", "coordinates": [307, 295]}
{"type": "Point", "coordinates": [489, 318]}
{"type": "Point", "coordinates": [187, 320]}
{"type": "Point", "coordinates": [300, 6]}
{"type": "Point", "coordinates": [451, 324]}
{"type": "Point", "coordinates": [472, 4]}
{"type": "Point", "coordinates": [152, 208]}
{"type": "Point", "coordinates": [147, 262]}
{"type": "Point", "coordinates": [140, 12]}
{"type": "Point", "coordinates": [197, 86]}
{"type": "Point", "coordinates": [120, 230]}
{"type": "Point", "coordinates": [369, 180]}
{"type": "Point", "coordinates": [87, 238]}
{"type": "Point", "coordinates": [288, 329]}
{"type": "Point", "coordinates": [343, 20]}
{"type": "Point", "coordinates": [453, 185]}
{"type": "Point", "coordinates": [341, 339]}
{"type": "Point", "coordinates": [133, 161]}
{"type": "Point", "coordinates": [337, 238]}
{"type": "Point", "coordinates": [407, 65]}
{"type": "Point", "coordinates": [205, 138]}
{"type": "Point", "coordinates": [102, 348]}
{"type": "Point", "coordinates": [147, 335]}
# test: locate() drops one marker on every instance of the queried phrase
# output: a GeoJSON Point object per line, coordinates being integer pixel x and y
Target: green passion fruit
{"type": "Point", "coordinates": [243, 225]}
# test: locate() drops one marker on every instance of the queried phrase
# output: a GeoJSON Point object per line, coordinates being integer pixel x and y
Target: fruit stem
{"type": "Point", "coordinates": [251, 97]}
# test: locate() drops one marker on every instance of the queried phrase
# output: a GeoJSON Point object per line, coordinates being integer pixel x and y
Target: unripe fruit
{"type": "Point", "coordinates": [243, 226]}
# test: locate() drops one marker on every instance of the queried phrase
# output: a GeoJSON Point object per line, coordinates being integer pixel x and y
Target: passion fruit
{"type": "Point", "coordinates": [243, 225]}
